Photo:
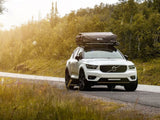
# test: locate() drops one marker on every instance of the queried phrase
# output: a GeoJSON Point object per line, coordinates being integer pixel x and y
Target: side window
{"type": "Point", "coordinates": [75, 52]}
{"type": "Point", "coordinates": [80, 53]}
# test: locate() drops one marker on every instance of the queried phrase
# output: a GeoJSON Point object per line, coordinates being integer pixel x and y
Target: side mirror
{"type": "Point", "coordinates": [126, 56]}
{"type": "Point", "coordinates": [77, 58]}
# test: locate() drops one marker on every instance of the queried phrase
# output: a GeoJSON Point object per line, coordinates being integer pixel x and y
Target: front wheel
{"type": "Point", "coordinates": [131, 86]}
{"type": "Point", "coordinates": [68, 80]}
{"type": "Point", "coordinates": [83, 82]}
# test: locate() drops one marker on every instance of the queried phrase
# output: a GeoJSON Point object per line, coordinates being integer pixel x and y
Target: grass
{"type": "Point", "coordinates": [28, 101]}
{"type": "Point", "coordinates": [148, 72]}
{"type": "Point", "coordinates": [41, 67]}
{"type": "Point", "coordinates": [157, 117]}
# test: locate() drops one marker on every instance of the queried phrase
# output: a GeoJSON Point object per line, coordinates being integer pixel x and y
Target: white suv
{"type": "Point", "coordinates": [89, 66]}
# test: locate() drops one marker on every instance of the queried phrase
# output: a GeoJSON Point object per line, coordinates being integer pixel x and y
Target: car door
{"type": "Point", "coordinates": [73, 62]}
{"type": "Point", "coordinates": [77, 62]}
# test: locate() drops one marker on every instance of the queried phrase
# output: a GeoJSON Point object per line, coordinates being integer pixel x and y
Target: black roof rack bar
{"type": "Point", "coordinates": [115, 44]}
{"type": "Point", "coordinates": [100, 43]}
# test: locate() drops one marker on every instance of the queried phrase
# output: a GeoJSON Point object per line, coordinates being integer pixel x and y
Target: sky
{"type": "Point", "coordinates": [19, 12]}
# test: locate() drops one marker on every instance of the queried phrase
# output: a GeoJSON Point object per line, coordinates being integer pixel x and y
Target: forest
{"type": "Point", "coordinates": [136, 23]}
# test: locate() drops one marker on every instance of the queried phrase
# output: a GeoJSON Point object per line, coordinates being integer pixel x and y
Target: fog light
{"type": "Point", "coordinates": [91, 77]}
{"type": "Point", "coordinates": [133, 77]}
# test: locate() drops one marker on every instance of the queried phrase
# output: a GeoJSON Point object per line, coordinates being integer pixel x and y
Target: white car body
{"type": "Point", "coordinates": [97, 76]}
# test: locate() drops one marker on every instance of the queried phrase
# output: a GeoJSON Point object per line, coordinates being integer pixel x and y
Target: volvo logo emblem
{"type": "Point", "coordinates": [114, 68]}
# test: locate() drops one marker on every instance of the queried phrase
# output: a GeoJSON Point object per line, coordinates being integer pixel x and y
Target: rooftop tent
{"type": "Point", "coordinates": [96, 38]}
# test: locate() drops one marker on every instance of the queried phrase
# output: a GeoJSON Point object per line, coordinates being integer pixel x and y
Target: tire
{"type": "Point", "coordinates": [111, 87]}
{"type": "Point", "coordinates": [83, 82]}
{"type": "Point", "coordinates": [131, 86]}
{"type": "Point", "coordinates": [67, 80]}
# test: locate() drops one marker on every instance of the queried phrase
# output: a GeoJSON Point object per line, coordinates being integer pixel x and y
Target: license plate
{"type": "Point", "coordinates": [114, 79]}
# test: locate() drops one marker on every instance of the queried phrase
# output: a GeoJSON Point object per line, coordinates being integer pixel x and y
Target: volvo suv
{"type": "Point", "coordinates": [89, 66]}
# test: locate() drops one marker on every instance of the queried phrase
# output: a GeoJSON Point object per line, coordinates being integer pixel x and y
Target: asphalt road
{"type": "Point", "coordinates": [138, 97]}
{"type": "Point", "coordinates": [144, 95]}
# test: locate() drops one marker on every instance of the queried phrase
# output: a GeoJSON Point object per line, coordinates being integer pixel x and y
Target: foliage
{"type": "Point", "coordinates": [136, 24]}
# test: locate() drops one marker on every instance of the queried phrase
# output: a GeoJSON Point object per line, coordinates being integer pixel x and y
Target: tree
{"type": "Point", "coordinates": [156, 5]}
{"type": "Point", "coordinates": [54, 15]}
{"type": "Point", "coordinates": [1, 7]}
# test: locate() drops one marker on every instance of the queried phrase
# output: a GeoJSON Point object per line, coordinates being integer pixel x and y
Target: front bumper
{"type": "Point", "coordinates": [101, 77]}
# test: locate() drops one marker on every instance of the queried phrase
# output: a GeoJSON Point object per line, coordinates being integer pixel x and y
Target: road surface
{"type": "Point", "coordinates": [147, 95]}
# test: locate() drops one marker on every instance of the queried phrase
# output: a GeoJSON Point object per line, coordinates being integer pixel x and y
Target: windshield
{"type": "Point", "coordinates": [104, 54]}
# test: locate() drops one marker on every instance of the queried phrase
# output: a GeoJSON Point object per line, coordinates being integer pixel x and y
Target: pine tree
{"type": "Point", "coordinates": [54, 15]}
{"type": "Point", "coordinates": [1, 8]}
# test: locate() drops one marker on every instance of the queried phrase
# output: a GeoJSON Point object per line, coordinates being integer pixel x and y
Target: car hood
{"type": "Point", "coordinates": [107, 62]}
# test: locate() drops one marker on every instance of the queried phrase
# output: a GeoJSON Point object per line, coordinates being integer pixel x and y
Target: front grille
{"type": "Point", "coordinates": [113, 68]}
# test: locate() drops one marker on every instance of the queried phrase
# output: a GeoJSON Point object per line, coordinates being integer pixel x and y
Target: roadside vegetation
{"type": "Point", "coordinates": [41, 66]}
{"type": "Point", "coordinates": [30, 101]}
{"type": "Point", "coordinates": [148, 72]}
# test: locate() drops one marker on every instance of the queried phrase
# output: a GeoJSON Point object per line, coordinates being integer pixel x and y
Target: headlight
{"type": "Point", "coordinates": [91, 66]}
{"type": "Point", "coordinates": [132, 67]}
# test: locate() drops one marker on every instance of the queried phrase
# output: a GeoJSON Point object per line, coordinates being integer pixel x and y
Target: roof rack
{"type": "Point", "coordinates": [114, 44]}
